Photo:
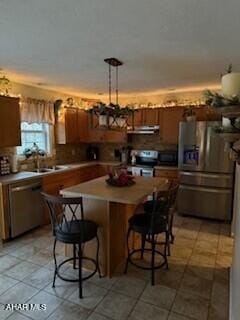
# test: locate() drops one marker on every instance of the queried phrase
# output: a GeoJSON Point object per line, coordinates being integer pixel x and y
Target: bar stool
{"type": "Point", "coordinates": [166, 196]}
{"type": "Point", "coordinates": [70, 227]}
{"type": "Point", "coordinates": [149, 225]}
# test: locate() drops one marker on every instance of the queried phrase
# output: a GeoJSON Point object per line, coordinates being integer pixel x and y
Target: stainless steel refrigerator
{"type": "Point", "coordinates": [206, 172]}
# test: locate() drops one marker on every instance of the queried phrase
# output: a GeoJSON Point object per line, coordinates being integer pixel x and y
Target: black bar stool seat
{"type": "Point", "coordinates": [81, 231]}
{"type": "Point", "coordinates": [142, 223]}
{"type": "Point", "coordinates": [149, 205]}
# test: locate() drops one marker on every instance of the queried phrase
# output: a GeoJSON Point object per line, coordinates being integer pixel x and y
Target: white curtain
{"type": "Point", "coordinates": [37, 111]}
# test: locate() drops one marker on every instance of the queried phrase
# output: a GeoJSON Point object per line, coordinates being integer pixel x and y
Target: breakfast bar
{"type": "Point", "coordinates": [111, 207]}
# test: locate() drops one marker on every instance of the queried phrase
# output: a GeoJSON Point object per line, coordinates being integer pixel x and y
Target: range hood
{"type": "Point", "coordinates": [143, 129]}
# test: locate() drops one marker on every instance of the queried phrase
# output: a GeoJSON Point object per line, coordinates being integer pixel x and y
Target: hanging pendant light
{"type": "Point", "coordinates": [112, 115]}
{"type": "Point", "coordinates": [113, 62]}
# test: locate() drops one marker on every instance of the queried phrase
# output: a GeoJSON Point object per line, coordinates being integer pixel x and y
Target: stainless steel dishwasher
{"type": "Point", "coordinates": [25, 206]}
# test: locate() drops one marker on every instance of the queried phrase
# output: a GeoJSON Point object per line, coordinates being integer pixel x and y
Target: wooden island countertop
{"type": "Point", "coordinates": [111, 208]}
{"type": "Point", "coordinates": [99, 189]}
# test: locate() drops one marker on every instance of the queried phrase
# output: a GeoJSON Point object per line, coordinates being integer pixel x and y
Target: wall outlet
{"type": "Point", "coordinates": [73, 152]}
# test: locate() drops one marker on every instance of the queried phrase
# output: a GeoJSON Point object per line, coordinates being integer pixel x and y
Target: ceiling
{"type": "Point", "coordinates": [164, 44]}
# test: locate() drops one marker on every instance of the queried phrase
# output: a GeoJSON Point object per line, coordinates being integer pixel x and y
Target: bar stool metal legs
{"type": "Point", "coordinates": [152, 260]}
{"type": "Point", "coordinates": [153, 250]}
{"type": "Point", "coordinates": [55, 263]}
{"type": "Point", "coordinates": [77, 256]}
{"type": "Point", "coordinates": [97, 257]}
{"type": "Point", "coordinates": [80, 270]}
{"type": "Point", "coordinates": [128, 252]}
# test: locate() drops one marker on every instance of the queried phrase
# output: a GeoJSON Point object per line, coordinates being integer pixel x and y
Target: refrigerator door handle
{"type": "Point", "coordinates": [210, 190]}
{"type": "Point", "coordinates": [206, 175]}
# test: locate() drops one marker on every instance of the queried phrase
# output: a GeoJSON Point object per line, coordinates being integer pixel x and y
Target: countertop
{"type": "Point", "coordinates": [166, 168]}
{"type": "Point", "coordinates": [135, 194]}
{"type": "Point", "coordinates": [27, 175]}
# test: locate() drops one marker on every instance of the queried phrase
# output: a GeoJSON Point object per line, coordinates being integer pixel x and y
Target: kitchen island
{"type": "Point", "coordinates": [111, 207]}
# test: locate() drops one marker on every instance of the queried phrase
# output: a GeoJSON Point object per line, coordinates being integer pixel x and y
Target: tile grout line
{"type": "Point", "coordinates": [183, 274]}
{"type": "Point", "coordinates": [210, 300]}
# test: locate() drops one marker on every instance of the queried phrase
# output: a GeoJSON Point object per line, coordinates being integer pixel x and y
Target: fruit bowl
{"type": "Point", "coordinates": [122, 180]}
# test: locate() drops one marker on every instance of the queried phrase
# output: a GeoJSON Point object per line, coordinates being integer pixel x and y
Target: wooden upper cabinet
{"type": "Point", "coordinates": [82, 125]}
{"type": "Point", "coordinates": [169, 124]}
{"type": "Point", "coordinates": [146, 117]}
{"type": "Point", "coordinates": [106, 136]}
{"type": "Point", "coordinates": [206, 113]}
{"type": "Point", "coordinates": [150, 116]}
{"type": "Point", "coordinates": [10, 131]}
{"type": "Point", "coordinates": [95, 136]}
{"type": "Point", "coordinates": [72, 126]}
{"type": "Point", "coordinates": [113, 136]}
{"type": "Point", "coordinates": [103, 135]}
{"type": "Point", "coordinates": [138, 118]}
{"type": "Point", "coordinates": [66, 126]}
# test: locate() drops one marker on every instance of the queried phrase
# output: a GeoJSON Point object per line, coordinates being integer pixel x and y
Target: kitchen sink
{"type": "Point", "coordinates": [50, 169]}
{"type": "Point", "coordinates": [42, 170]}
{"type": "Point", "coordinates": [58, 167]}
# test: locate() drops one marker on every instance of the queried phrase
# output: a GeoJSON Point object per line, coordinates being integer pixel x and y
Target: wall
{"type": "Point", "coordinates": [185, 95]}
{"type": "Point", "coordinates": [235, 270]}
{"type": "Point", "coordinates": [38, 92]}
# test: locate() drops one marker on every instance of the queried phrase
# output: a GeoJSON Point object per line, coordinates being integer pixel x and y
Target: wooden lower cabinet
{"type": "Point", "coordinates": [171, 174]}
{"type": "Point", "coordinates": [54, 183]}
{"type": "Point", "coordinates": [4, 213]}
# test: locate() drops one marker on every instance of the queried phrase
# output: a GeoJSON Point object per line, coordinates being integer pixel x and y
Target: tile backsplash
{"type": "Point", "coordinates": [63, 154]}
{"type": "Point", "coordinates": [149, 142]}
{"type": "Point", "coordinates": [141, 142]}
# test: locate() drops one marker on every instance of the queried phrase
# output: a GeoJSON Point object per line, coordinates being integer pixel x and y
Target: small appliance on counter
{"type": "Point", "coordinates": [92, 153]}
{"type": "Point", "coordinates": [123, 154]}
{"type": "Point", "coordinates": [4, 165]}
{"type": "Point", "coordinates": [14, 163]}
{"type": "Point", "coordinates": [168, 158]}
{"type": "Point", "coordinates": [144, 129]}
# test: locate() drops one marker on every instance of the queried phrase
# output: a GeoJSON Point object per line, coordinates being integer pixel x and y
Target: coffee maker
{"type": "Point", "coordinates": [92, 153]}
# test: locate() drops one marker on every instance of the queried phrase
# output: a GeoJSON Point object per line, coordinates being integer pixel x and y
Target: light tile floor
{"type": "Point", "coordinates": [194, 288]}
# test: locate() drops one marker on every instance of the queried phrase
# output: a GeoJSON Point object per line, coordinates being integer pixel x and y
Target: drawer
{"type": "Point", "coordinates": [205, 202]}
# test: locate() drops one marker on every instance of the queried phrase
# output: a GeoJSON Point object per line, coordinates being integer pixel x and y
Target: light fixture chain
{"type": "Point", "coordinates": [117, 85]}
{"type": "Point", "coordinates": [110, 84]}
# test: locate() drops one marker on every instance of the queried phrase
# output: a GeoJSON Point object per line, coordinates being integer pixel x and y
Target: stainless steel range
{"type": "Point", "coordinates": [143, 162]}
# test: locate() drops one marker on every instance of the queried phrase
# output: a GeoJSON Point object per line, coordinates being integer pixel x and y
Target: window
{"type": "Point", "coordinates": [36, 132]}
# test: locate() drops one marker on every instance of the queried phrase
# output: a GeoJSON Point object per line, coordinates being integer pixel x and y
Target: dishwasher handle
{"type": "Point", "coordinates": [33, 187]}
